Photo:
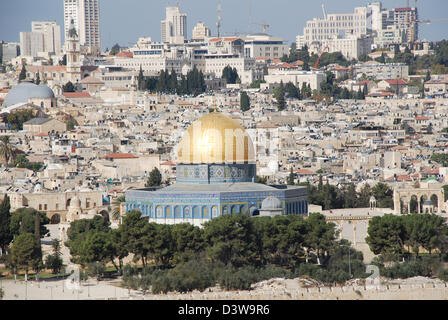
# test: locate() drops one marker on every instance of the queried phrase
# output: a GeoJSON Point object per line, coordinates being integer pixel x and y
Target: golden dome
{"type": "Point", "coordinates": [215, 138]}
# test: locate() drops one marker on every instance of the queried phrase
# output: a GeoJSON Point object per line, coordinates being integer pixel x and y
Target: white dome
{"type": "Point", "coordinates": [27, 90]}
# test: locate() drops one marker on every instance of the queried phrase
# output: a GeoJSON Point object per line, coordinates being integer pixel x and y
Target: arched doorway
{"type": "Point", "coordinates": [55, 219]}
{"type": "Point", "coordinates": [413, 204]}
{"type": "Point", "coordinates": [404, 206]}
{"type": "Point", "coordinates": [423, 198]}
{"type": "Point", "coordinates": [254, 211]}
{"type": "Point", "coordinates": [435, 201]}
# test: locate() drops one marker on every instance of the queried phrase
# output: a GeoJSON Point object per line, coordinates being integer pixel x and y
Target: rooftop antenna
{"type": "Point", "coordinates": [324, 12]}
{"type": "Point", "coordinates": [407, 3]}
{"type": "Point", "coordinates": [218, 24]}
{"type": "Point", "coordinates": [250, 13]}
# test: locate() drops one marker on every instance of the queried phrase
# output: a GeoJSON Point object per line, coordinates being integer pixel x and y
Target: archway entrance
{"type": "Point", "coordinates": [55, 219]}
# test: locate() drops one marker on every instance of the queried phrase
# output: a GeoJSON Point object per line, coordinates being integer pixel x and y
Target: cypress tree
{"type": "Point", "coordinates": [22, 75]}
{"type": "Point", "coordinates": [5, 221]}
{"type": "Point", "coordinates": [140, 80]}
{"type": "Point", "coordinates": [244, 101]}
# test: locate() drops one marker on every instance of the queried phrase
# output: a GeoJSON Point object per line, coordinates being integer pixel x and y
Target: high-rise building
{"type": "Point", "coordinates": [31, 43]}
{"type": "Point", "coordinates": [52, 35]}
{"type": "Point", "coordinates": [174, 27]}
{"type": "Point", "coordinates": [9, 51]}
{"type": "Point", "coordinates": [86, 17]}
{"type": "Point", "coordinates": [387, 27]}
{"type": "Point", "coordinates": [201, 31]}
{"type": "Point", "coordinates": [337, 25]}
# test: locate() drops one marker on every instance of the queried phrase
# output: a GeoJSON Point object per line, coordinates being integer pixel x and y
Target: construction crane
{"type": "Point", "coordinates": [427, 21]}
{"type": "Point", "coordinates": [318, 60]}
{"type": "Point", "coordinates": [218, 23]}
{"type": "Point", "coordinates": [265, 26]}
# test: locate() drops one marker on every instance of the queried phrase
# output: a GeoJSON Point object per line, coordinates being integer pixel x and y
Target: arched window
{"type": "Point", "coordinates": [159, 211]}
{"type": "Point", "coordinates": [167, 212]}
{"type": "Point", "coordinates": [196, 212]}
{"type": "Point", "coordinates": [177, 212]}
{"type": "Point", "coordinates": [204, 212]}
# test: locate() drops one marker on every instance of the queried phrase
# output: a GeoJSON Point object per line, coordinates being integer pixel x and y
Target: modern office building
{"type": "Point", "coordinates": [201, 31]}
{"type": "Point", "coordinates": [174, 27]}
{"type": "Point", "coordinates": [31, 43]}
{"type": "Point", "coordinates": [52, 35]}
{"type": "Point", "coordinates": [86, 16]}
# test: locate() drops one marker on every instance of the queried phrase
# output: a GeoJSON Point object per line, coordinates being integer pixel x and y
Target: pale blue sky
{"type": "Point", "coordinates": [124, 21]}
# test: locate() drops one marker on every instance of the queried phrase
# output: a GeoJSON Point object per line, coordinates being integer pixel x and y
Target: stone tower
{"type": "Point", "coordinates": [73, 52]}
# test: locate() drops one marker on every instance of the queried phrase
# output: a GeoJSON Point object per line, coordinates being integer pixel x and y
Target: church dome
{"type": "Point", "coordinates": [215, 138]}
{"type": "Point", "coordinates": [27, 90]}
{"type": "Point", "coordinates": [271, 203]}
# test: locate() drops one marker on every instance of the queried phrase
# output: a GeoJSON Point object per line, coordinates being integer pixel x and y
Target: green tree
{"type": "Point", "coordinates": [230, 74]}
{"type": "Point", "coordinates": [22, 75]}
{"type": "Point", "coordinates": [244, 101]}
{"type": "Point", "coordinates": [137, 233]}
{"type": "Point", "coordinates": [291, 91]}
{"type": "Point", "coordinates": [63, 62]}
{"type": "Point", "coordinates": [231, 239]}
{"type": "Point", "coordinates": [71, 124]}
{"type": "Point", "coordinates": [115, 50]}
{"type": "Point", "coordinates": [319, 237]}
{"type": "Point", "coordinates": [26, 252]}
{"type": "Point", "coordinates": [54, 261]}
{"type": "Point", "coordinates": [116, 204]}
{"type": "Point", "coordinates": [141, 80]}
{"type": "Point", "coordinates": [18, 118]}
{"type": "Point", "coordinates": [77, 234]}
{"type": "Point", "coordinates": [118, 247]}
{"type": "Point", "coordinates": [68, 87]}
{"type": "Point", "coordinates": [291, 178]}
{"type": "Point", "coordinates": [440, 158]}
{"type": "Point", "coordinates": [383, 195]}
{"type": "Point", "coordinates": [172, 82]}
{"type": "Point", "coordinates": [6, 150]}
{"type": "Point", "coordinates": [279, 95]}
{"type": "Point", "coordinates": [37, 81]}
{"type": "Point", "coordinates": [23, 220]}
{"type": "Point", "coordinates": [188, 240]}
{"type": "Point", "coordinates": [5, 222]}
{"type": "Point", "coordinates": [155, 178]}
{"type": "Point", "coordinates": [387, 235]}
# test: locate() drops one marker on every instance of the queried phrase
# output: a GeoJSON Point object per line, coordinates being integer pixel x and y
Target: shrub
{"type": "Point", "coordinates": [443, 275]}
{"type": "Point", "coordinates": [96, 269]}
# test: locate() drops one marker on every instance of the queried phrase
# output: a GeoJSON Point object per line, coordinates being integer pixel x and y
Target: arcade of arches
{"type": "Point", "coordinates": [411, 200]}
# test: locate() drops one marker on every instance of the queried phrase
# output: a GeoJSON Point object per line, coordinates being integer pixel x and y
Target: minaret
{"type": "Point", "coordinates": [73, 52]}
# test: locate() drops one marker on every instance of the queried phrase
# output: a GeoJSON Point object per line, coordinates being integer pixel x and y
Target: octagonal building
{"type": "Point", "coordinates": [215, 175]}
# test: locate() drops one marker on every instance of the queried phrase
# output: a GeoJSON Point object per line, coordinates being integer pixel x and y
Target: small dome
{"type": "Point", "coordinates": [271, 203]}
{"type": "Point", "coordinates": [75, 202]}
{"type": "Point", "coordinates": [27, 90]}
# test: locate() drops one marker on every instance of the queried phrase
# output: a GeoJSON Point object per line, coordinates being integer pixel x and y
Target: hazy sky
{"type": "Point", "coordinates": [124, 21]}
